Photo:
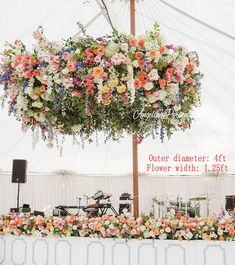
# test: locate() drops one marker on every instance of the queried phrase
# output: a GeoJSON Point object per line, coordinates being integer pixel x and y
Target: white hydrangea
{"type": "Point", "coordinates": [76, 128]}
{"type": "Point", "coordinates": [130, 83]}
{"type": "Point", "coordinates": [22, 102]}
{"type": "Point", "coordinates": [111, 49]}
{"type": "Point", "coordinates": [37, 104]}
{"type": "Point", "coordinates": [157, 57]}
{"type": "Point", "coordinates": [148, 45]}
{"type": "Point", "coordinates": [142, 228]}
{"type": "Point", "coordinates": [177, 108]}
{"type": "Point", "coordinates": [29, 90]}
{"type": "Point", "coordinates": [174, 88]}
{"type": "Point", "coordinates": [41, 118]}
{"type": "Point", "coordinates": [148, 86]}
{"type": "Point", "coordinates": [147, 234]}
{"type": "Point", "coordinates": [162, 94]}
{"type": "Point", "coordinates": [163, 236]}
{"type": "Point", "coordinates": [124, 47]}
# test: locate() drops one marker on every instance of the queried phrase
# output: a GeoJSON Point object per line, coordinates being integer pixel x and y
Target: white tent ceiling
{"type": "Point", "coordinates": [205, 26]}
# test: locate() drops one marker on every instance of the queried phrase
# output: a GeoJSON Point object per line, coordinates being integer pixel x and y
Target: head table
{"type": "Point", "coordinates": [23, 250]}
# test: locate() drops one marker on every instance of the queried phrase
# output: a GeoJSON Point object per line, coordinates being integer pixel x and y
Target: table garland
{"type": "Point", "coordinates": [122, 226]}
{"type": "Point", "coordinates": [114, 84]}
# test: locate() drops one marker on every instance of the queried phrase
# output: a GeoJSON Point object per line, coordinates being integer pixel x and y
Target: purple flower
{"type": "Point", "coordinates": [100, 39]}
{"type": "Point", "coordinates": [80, 64]}
{"type": "Point", "coordinates": [169, 46]}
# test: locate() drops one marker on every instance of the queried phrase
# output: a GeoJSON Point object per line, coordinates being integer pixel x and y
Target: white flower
{"type": "Point", "coordinates": [174, 88]}
{"type": "Point", "coordinates": [97, 59]}
{"type": "Point", "coordinates": [185, 61]}
{"type": "Point", "coordinates": [77, 51]}
{"type": "Point", "coordinates": [148, 45]}
{"type": "Point", "coordinates": [130, 84]}
{"type": "Point", "coordinates": [37, 104]}
{"type": "Point", "coordinates": [213, 235]}
{"type": "Point", "coordinates": [107, 222]}
{"type": "Point", "coordinates": [163, 236]}
{"type": "Point", "coordinates": [44, 77]}
{"type": "Point", "coordinates": [147, 234]}
{"type": "Point", "coordinates": [135, 63]}
{"type": "Point", "coordinates": [22, 103]}
{"type": "Point", "coordinates": [142, 228]}
{"type": "Point", "coordinates": [148, 86]}
{"type": "Point", "coordinates": [162, 95]}
{"type": "Point", "coordinates": [189, 235]}
{"type": "Point", "coordinates": [111, 226]}
{"type": "Point", "coordinates": [152, 99]}
{"type": "Point", "coordinates": [41, 118]}
{"type": "Point", "coordinates": [167, 102]}
{"type": "Point", "coordinates": [168, 229]}
{"type": "Point", "coordinates": [111, 49]}
{"type": "Point", "coordinates": [174, 122]}
{"type": "Point", "coordinates": [124, 47]}
{"type": "Point", "coordinates": [153, 75]}
{"type": "Point", "coordinates": [49, 90]}
{"type": "Point", "coordinates": [133, 49]}
{"type": "Point", "coordinates": [65, 71]}
{"type": "Point", "coordinates": [158, 57]}
{"type": "Point", "coordinates": [57, 80]}
{"type": "Point", "coordinates": [177, 107]}
{"type": "Point", "coordinates": [28, 90]}
{"type": "Point", "coordinates": [76, 128]}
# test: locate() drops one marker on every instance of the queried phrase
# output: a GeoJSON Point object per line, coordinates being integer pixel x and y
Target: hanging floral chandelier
{"type": "Point", "coordinates": [114, 84]}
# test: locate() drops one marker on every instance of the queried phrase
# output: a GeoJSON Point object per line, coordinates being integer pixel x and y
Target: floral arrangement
{"type": "Point", "coordinates": [122, 226]}
{"type": "Point", "coordinates": [115, 84]}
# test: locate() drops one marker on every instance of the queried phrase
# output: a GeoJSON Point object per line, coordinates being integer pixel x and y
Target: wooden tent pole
{"type": "Point", "coordinates": [135, 176]}
{"type": "Point", "coordinates": [134, 136]}
{"type": "Point", "coordinates": [132, 16]}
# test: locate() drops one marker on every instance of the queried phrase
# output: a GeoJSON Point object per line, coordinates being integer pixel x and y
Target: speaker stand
{"type": "Point", "coordinates": [18, 196]}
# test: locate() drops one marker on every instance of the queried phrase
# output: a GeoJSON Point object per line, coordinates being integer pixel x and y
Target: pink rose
{"type": "Point", "coordinates": [156, 105]}
{"type": "Point", "coordinates": [189, 80]}
{"type": "Point", "coordinates": [108, 64]}
{"type": "Point", "coordinates": [104, 76]}
{"type": "Point", "coordinates": [65, 56]}
{"type": "Point", "coordinates": [156, 94]}
{"type": "Point", "coordinates": [71, 65]}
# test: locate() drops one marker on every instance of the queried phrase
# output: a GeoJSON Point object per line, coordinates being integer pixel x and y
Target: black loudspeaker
{"type": "Point", "coordinates": [19, 168]}
{"type": "Point", "coordinates": [230, 202]}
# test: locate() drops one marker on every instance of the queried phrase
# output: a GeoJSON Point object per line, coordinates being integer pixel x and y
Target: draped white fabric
{"type": "Point", "coordinates": [46, 191]}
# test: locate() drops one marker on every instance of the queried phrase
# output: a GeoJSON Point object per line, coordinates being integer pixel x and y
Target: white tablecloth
{"type": "Point", "coordinates": [85, 251]}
